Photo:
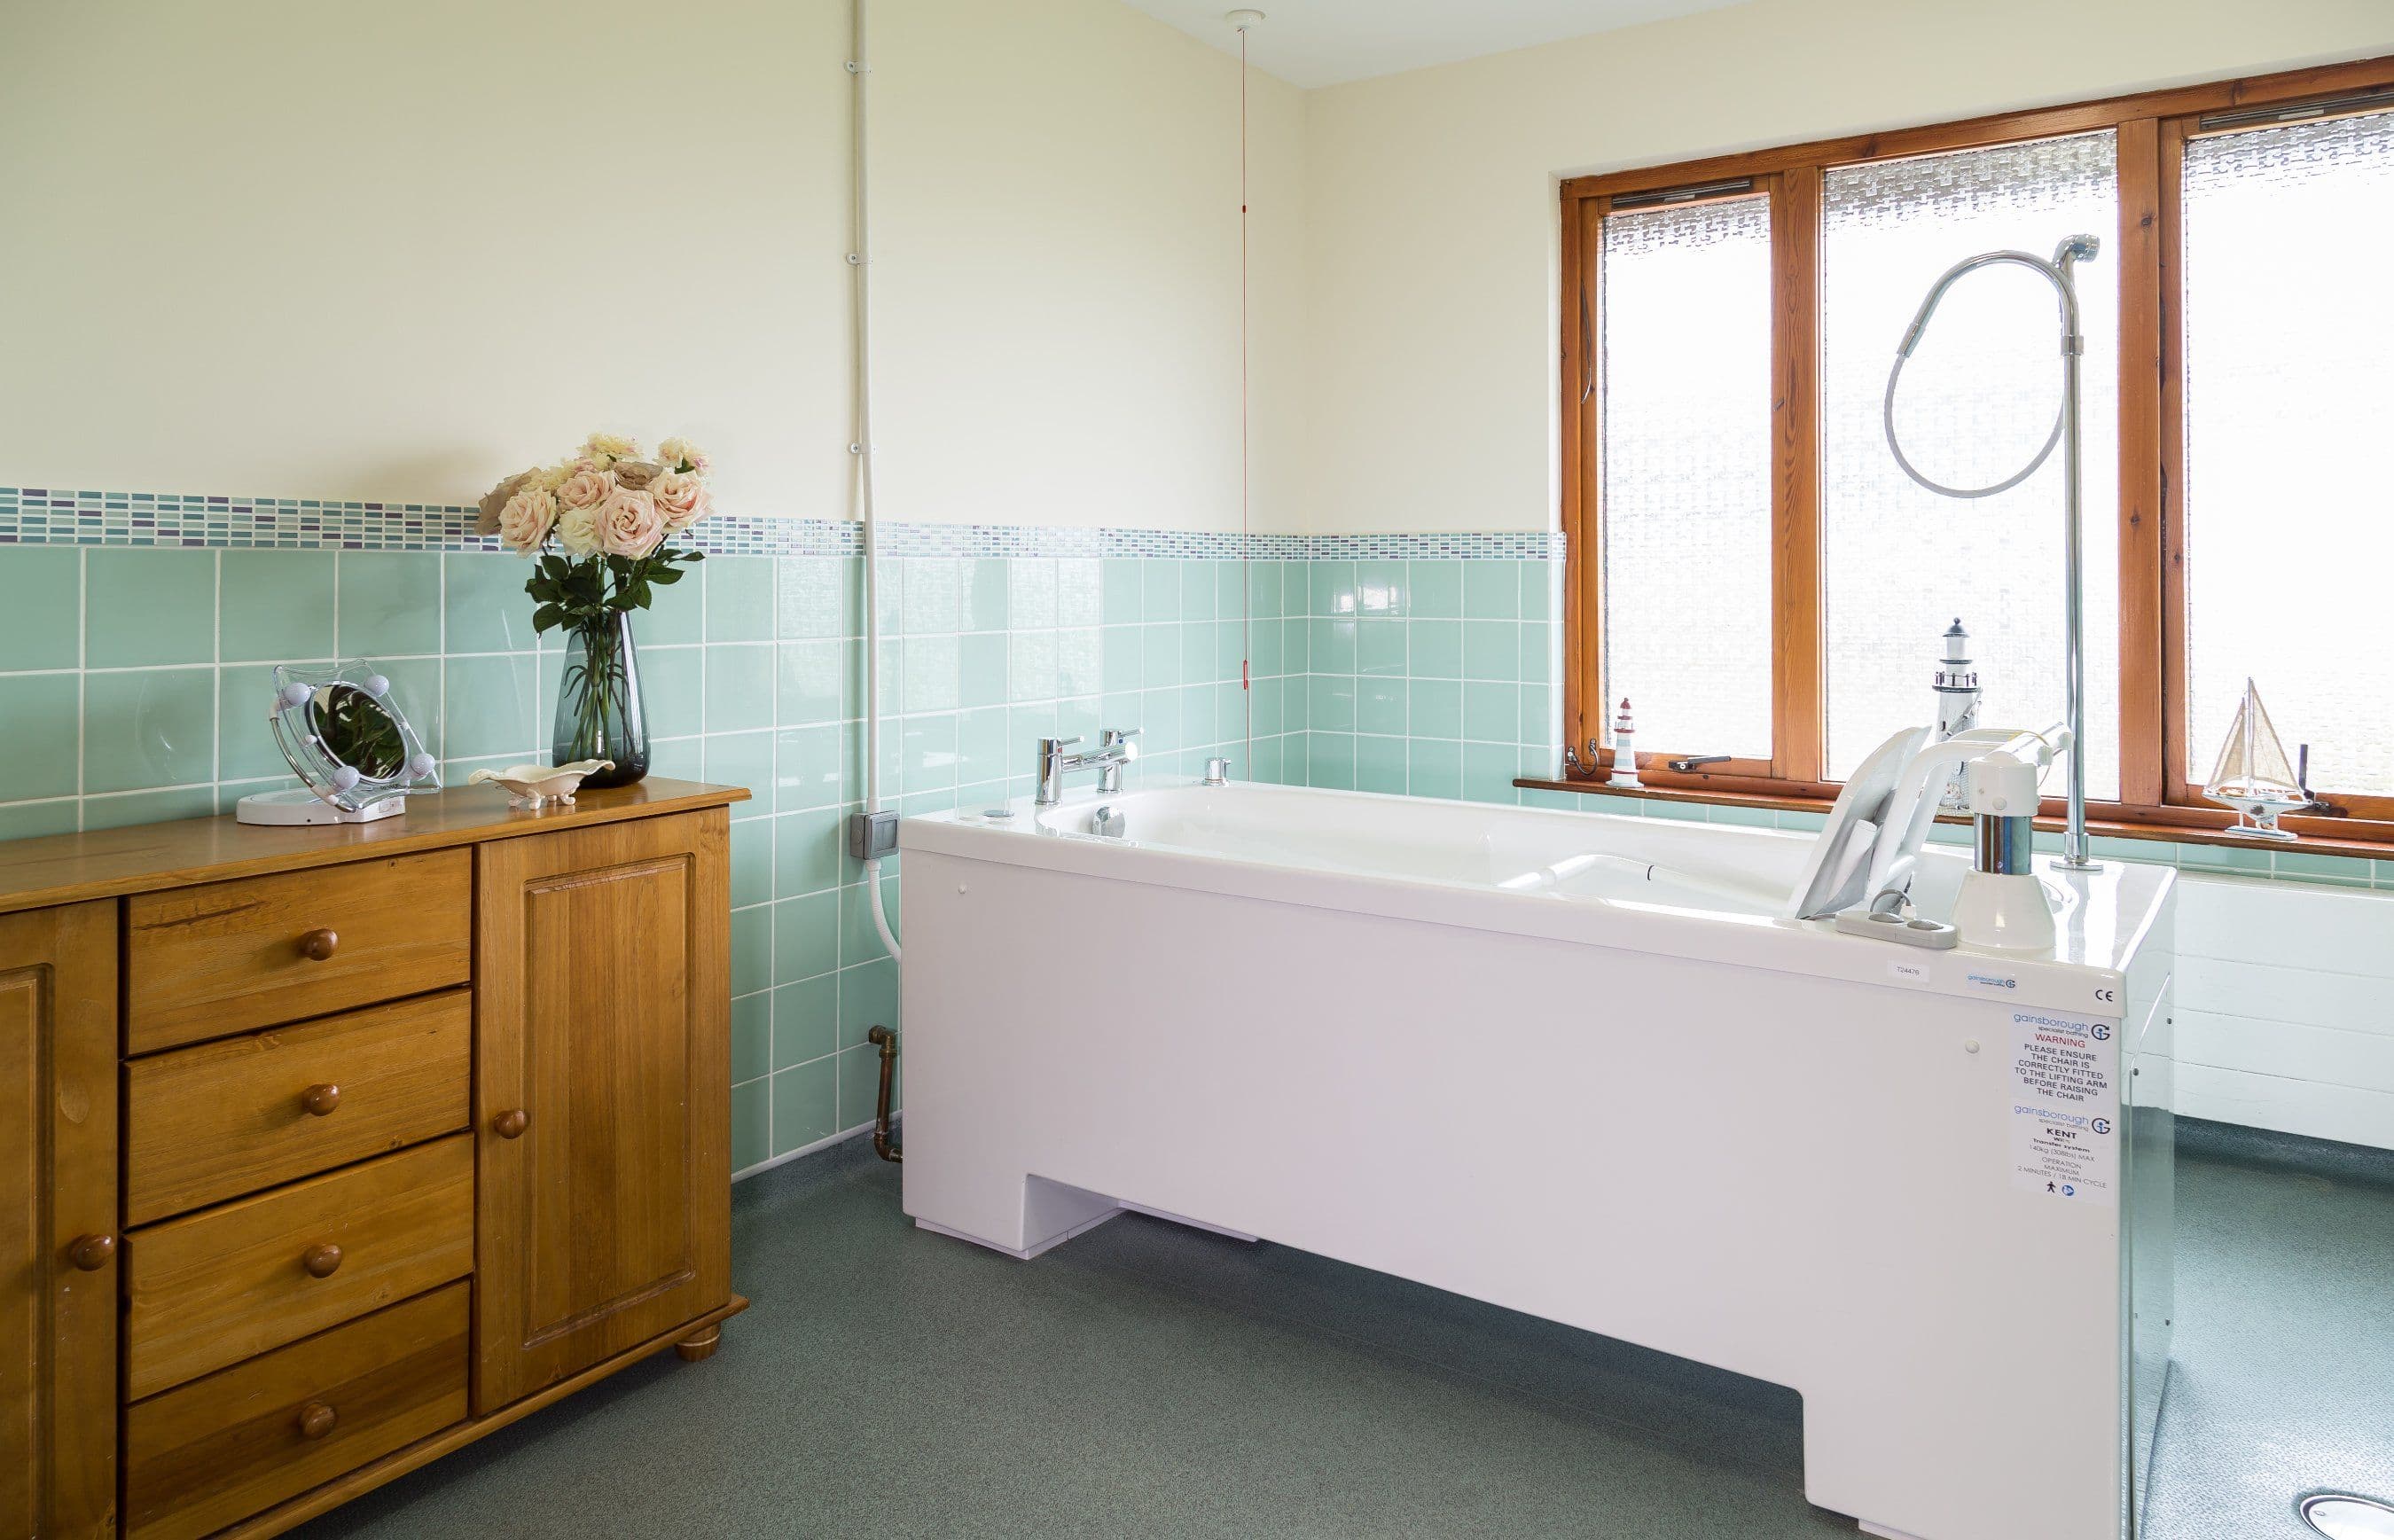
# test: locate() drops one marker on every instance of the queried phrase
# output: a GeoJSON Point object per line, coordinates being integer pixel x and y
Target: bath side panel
{"type": "Point", "coordinates": [1802, 1179]}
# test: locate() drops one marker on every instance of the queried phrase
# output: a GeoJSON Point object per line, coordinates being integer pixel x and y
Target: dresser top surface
{"type": "Point", "coordinates": [103, 863]}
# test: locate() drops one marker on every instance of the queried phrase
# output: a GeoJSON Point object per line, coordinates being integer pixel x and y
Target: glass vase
{"type": "Point", "coordinates": [600, 714]}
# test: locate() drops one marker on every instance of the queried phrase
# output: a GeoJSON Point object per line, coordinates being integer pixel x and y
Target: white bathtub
{"type": "Point", "coordinates": [1574, 1064]}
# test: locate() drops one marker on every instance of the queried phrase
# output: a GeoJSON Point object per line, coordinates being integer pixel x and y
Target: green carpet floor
{"type": "Point", "coordinates": [1150, 1380]}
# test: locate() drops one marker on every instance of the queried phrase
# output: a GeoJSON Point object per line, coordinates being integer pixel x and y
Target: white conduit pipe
{"type": "Point", "coordinates": [860, 262]}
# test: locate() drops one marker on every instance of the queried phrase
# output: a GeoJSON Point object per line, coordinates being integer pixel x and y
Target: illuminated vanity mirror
{"type": "Point", "coordinates": [347, 742]}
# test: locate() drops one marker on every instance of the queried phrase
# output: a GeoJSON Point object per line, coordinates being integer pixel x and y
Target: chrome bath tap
{"type": "Point", "coordinates": [1115, 748]}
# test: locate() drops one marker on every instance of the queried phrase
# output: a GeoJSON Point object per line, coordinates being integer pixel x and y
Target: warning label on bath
{"type": "Point", "coordinates": [2065, 1091]}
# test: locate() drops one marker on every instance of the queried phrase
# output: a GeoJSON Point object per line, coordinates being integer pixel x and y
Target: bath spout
{"type": "Point", "coordinates": [886, 1041]}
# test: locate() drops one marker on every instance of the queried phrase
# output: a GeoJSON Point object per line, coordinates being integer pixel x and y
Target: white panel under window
{"type": "Point", "coordinates": [1686, 462]}
{"type": "Point", "coordinates": [2289, 399]}
{"type": "Point", "coordinates": [1899, 563]}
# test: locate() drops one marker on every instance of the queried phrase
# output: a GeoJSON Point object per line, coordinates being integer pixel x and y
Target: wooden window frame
{"type": "Point", "coordinates": [2157, 798]}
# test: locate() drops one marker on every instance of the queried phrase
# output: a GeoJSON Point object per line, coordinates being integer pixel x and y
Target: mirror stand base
{"type": "Point", "coordinates": [299, 806]}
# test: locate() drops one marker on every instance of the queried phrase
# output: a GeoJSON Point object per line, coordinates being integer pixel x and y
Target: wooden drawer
{"type": "Point", "coordinates": [230, 956]}
{"type": "Point", "coordinates": [225, 1447]}
{"type": "Point", "coordinates": [216, 1288]}
{"type": "Point", "coordinates": [226, 1118]}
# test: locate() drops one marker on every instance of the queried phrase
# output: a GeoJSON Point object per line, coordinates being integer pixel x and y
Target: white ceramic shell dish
{"type": "Point", "coordinates": [538, 785]}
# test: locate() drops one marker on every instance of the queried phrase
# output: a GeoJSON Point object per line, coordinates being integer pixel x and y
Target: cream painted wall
{"type": "Point", "coordinates": [279, 247]}
{"type": "Point", "coordinates": [1057, 271]}
{"type": "Point", "coordinates": [1432, 203]}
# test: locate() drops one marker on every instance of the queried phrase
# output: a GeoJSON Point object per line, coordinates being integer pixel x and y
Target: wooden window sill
{"type": "Point", "coordinates": [2373, 847]}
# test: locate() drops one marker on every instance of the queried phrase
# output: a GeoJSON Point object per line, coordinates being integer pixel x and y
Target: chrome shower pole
{"type": "Point", "coordinates": [2073, 352]}
{"type": "Point", "coordinates": [2072, 250]}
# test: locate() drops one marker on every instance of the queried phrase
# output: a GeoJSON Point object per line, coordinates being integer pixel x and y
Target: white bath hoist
{"type": "Point", "coordinates": [1624, 753]}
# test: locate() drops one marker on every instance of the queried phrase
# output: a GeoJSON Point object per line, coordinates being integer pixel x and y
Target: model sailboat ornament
{"type": "Point", "coordinates": [2254, 776]}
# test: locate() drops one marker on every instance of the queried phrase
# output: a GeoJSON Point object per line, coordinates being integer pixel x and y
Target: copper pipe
{"type": "Point", "coordinates": [886, 1041]}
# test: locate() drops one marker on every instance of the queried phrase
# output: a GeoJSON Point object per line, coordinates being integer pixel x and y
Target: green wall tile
{"type": "Point", "coordinates": [1435, 649]}
{"type": "Point", "coordinates": [1436, 589]}
{"type": "Point", "coordinates": [146, 606]}
{"type": "Point", "coordinates": [1492, 650]}
{"type": "Point", "coordinates": [28, 820]}
{"type": "Point", "coordinates": [984, 595]}
{"type": "Point", "coordinates": [484, 608]}
{"type": "Point", "coordinates": [1491, 713]}
{"type": "Point", "coordinates": [806, 1020]}
{"type": "Point", "coordinates": [752, 1037]}
{"type": "Point", "coordinates": [1330, 703]}
{"type": "Point", "coordinates": [673, 687]}
{"type": "Point", "coordinates": [245, 747]}
{"type": "Point", "coordinates": [389, 604]}
{"type": "Point", "coordinates": [752, 949]}
{"type": "Point", "coordinates": [934, 596]}
{"type": "Point", "coordinates": [742, 759]}
{"type": "Point", "coordinates": [868, 997]}
{"type": "Point", "coordinates": [1032, 666]}
{"type": "Point", "coordinates": [677, 612]}
{"type": "Point", "coordinates": [804, 1106]}
{"type": "Point", "coordinates": [809, 850]}
{"type": "Point", "coordinates": [148, 728]}
{"type": "Point", "coordinates": [277, 606]}
{"type": "Point", "coordinates": [1122, 599]}
{"type": "Point", "coordinates": [1199, 592]}
{"type": "Point", "coordinates": [1160, 584]}
{"type": "Point", "coordinates": [1380, 588]}
{"type": "Point", "coordinates": [751, 1124]}
{"type": "Point", "coordinates": [1379, 764]}
{"type": "Point", "coordinates": [1031, 592]}
{"type": "Point", "coordinates": [152, 807]}
{"type": "Point", "coordinates": [812, 680]}
{"type": "Point", "coordinates": [1434, 708]}
{"type": "Point", "coordinates": [752, 861]}
{"type": "Point", "coordinates": [1380, 705]}
{"type": "Point", "coordinates": [1541, 583]}
{"type": "Point", "coordinates": [41, 625]}
{"type": "Point", "coordinates": [1329, 760]}
{"type": "Point", "coordinates": [860, 1085]}
{"type": "Point", "coordinates": [860, 937]}
{"type": "Point", "coordinates": [1380, 647]}
{"type": "Point", "coordinates": [1488, 771]}
{"type": "Point", "coordinates": [814, 597]}
{"type": "Point", "coordinates": [932, 673]}
{"type": "Point", "coordinates": [1433, 768]}
{"type": "Point", "coordinates": [1078, 670]}
{"type": "Point", "coordinates": [806, 937]}
{"type": "Point", "coordinates": [740, 599]}
{"type": "Point", "coordinates": [39, 714]}
{"type": "Point", "coordinates": [489, 708]}
{"type": "Point", "coordinates": [1491, 590]}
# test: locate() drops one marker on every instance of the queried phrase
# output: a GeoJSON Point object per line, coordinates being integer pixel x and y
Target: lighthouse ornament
{"type": "Point", "coordinates": [1625, 756]}
{"type": "Point", "coordinates": [1957, 707]}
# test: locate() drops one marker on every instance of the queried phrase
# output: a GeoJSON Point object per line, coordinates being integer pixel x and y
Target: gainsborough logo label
{"type": "Point", "coordinates": [1992, 981]}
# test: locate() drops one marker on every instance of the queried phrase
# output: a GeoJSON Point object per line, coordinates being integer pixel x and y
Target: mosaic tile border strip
{"type": "Point", "coordinates": [52, 517]}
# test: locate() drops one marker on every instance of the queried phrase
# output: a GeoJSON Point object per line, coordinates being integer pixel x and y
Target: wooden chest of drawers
{"type": "Point", "coordinates": [315, 1192]}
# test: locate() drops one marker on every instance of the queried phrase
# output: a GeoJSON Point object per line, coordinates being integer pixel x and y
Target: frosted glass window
{"type": "Point", "coordinates": [1686, 462]}
{"type": "Point", "coordinates": [1899, 563]}
{"type": "Point", "coordinates": [2289, 330]}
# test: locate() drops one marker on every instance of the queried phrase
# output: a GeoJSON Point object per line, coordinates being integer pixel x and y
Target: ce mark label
{"type": "Point", "coordinates": [2108, 996]}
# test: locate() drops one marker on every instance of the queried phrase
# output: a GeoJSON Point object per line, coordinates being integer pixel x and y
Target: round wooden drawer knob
{"type": "Point", "coordinates": [322, 1261]}
{"type": "Point", "coordinates": [316, 1419]}
{"type": "Point", "coordinates": [90, 1253]}
{"type": "Point", "coordinates": [511, 1122]}
{"type": "Point", "coordinates": [319, 1100]}
{"type": "Point", "coordinates": [317, 946]}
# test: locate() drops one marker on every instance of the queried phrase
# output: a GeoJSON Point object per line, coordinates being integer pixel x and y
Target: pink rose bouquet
{"type": "Point", "coordinates": [600, 522]}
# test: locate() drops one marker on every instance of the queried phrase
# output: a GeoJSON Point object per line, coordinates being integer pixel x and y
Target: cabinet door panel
{"type": "Point", "coordinates": [603, 1094]}
{"type": "Point", "coordinates": [57, 1157]}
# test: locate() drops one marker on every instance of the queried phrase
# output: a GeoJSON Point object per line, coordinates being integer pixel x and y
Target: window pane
{"type": "Point", "coordinates": [1979, 398]}
{"type": "Point", "coordinates": [1687, 475]}
{"type": "Point", "coordinates": [2289, 311]}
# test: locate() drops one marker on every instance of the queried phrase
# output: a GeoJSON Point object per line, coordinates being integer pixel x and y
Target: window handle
{"type": "Point", "coordinates": [1695, 762]}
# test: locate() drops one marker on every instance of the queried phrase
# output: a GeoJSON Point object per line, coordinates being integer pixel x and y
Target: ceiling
{"type": "Point", "coordinates": [1313, 42]}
